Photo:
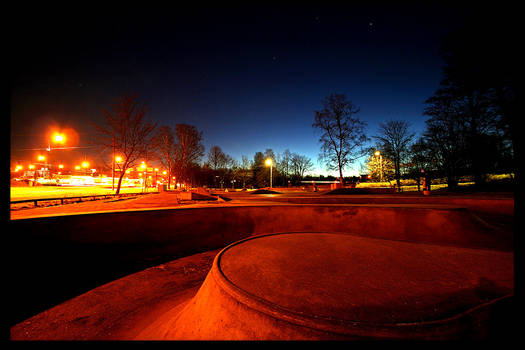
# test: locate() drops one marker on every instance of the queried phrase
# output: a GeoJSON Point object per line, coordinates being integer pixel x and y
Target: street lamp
{"type": "Point", "coordinates": [270, 164]}
{"type": "Point", "coordinates": [56, 138]}
{"type": "Point", "coordinates": [117, 160]}
{"type": "Point", "coordinates": [59, 138]}
{"type": "Point", "coordinates": [145, 169]}
{"type": "Point", "coordinates": [378, 154]}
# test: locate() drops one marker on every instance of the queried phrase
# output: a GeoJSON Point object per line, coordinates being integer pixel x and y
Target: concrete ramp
{"type": "Point", "coordinates": [308, 286]}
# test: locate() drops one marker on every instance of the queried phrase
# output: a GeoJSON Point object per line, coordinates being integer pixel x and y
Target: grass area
{"type": "Point", "coordinates": [19, 193]}
{"type": "Point", "coordinates": [405, 188]}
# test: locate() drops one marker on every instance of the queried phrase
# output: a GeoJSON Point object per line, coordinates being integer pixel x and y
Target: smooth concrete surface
{"type": "Point", "coordinates": [311, 286]}
{"type": "Point", "coordinates": [121, 309]}
{"type": "Point", "coordinates": [223, 224]}
{"type": "Point", "coordinates": [63, 256]}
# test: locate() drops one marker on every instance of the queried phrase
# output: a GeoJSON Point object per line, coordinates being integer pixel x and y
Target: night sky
{"type": "Point", "coordinates": [248, 77]}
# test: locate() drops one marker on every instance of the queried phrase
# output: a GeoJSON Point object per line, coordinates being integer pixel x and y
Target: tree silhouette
{"type": "Point", "coordinates": [394, 139]}
{"type": "Point", "coordinates": [188, 151]}
{"type": "Point", "coordinates": [342, 135]}
{"type": "Point", "coordinates": [126, 133]}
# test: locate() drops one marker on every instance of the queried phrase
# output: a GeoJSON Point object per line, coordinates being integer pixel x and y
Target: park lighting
{"type": "Point", "coordinates": [270, 164]}
{"type": "Point", "coordinates": [116, 159]}
{"type": "Point", "coordinates": [378, 154]}
{"type": "Point", "coordinates": [59, 138]}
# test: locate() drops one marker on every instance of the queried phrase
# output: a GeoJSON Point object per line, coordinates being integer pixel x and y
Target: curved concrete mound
{"type": "Point", "coordinates": [307, 286]}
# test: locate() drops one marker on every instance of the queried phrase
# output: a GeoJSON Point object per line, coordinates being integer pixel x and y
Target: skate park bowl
{"type": "Point", "coordinates": [283, 271]}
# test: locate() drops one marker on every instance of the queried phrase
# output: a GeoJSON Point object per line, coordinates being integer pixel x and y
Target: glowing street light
{"type": "Point", "coordinates": [270, 164]}
{"type": "Point", "coordinates": [85, 165]}
{"type": "Point", "coordinates": [378, 154]}
{"type": "Point", "coordinates": [116, 159]}
{"type": "Point", "coordinates": [145, 169]}
{"type": "Point", "coordinates": [59, 138]}
{"type": "Point", "coordinates": [41, 158]}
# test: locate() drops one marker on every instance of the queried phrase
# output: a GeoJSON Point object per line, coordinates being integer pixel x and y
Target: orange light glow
{"type": "Point", "coordinates": [59, 138]}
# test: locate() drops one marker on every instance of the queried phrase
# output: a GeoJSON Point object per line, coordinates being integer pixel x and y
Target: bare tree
{"type": "Point", "coordinates": [126, 132]}
{"type": "Point", "coordinates": [216, 158]}
{"type": "Point", "coordinates": [380, 169]}
{"type": "Point", "coordinates": [285, 163]}
{"type": "Point", "coordinates": [164, 142]}
{"type": "Point", "coordinates": [301, 164]}
{"type": "Point", "coordinates": [342, 135]}
{"type": "Point", "coordinates": [244, 170]}
{"type": "Point", "coordinates": [188, 150]}
{"type": "Point", "coordinates": [394, 139]}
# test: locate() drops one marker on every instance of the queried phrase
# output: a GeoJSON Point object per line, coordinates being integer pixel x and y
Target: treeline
{"type": "Point", "coordinates": [471, 129]}
{"type": "Point", "coordinates": [179, 151]}
{"type": "Point", "coordinates": [220, 170]}
{"type": "Point", "coordinates": [471, 126]}
{"type": "Point", "coordinates": [472, 117]}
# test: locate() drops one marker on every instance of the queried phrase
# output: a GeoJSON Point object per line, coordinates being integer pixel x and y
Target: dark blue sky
{"type": "Point", "coordinates": [248, 77]}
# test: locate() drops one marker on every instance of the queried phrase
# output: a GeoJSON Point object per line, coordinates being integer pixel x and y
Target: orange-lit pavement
{"type": "Point", "coordinates": [296, 286]}
{"type": "Point", "coordinates": [122, 308]}
{"type": "Point", "coordinates": [350, 286]}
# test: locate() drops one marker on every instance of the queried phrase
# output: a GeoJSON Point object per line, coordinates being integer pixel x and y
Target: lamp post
{"type": "Point", "coordinates": [378, 154]}
{"type": "Point", "coordinates": [270, 164]}
{"type": "Point", "coordinates": [116, 160]}
{"type": "Point", "coordinates": [144, 168]}
{"type": "Point", "coordinates": [57, 138]}
{"type": "Point", "coordinates": [85, 165]}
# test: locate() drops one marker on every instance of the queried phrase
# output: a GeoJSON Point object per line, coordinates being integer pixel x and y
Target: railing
{"type": "Point", "coordinates": [71, 199]}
